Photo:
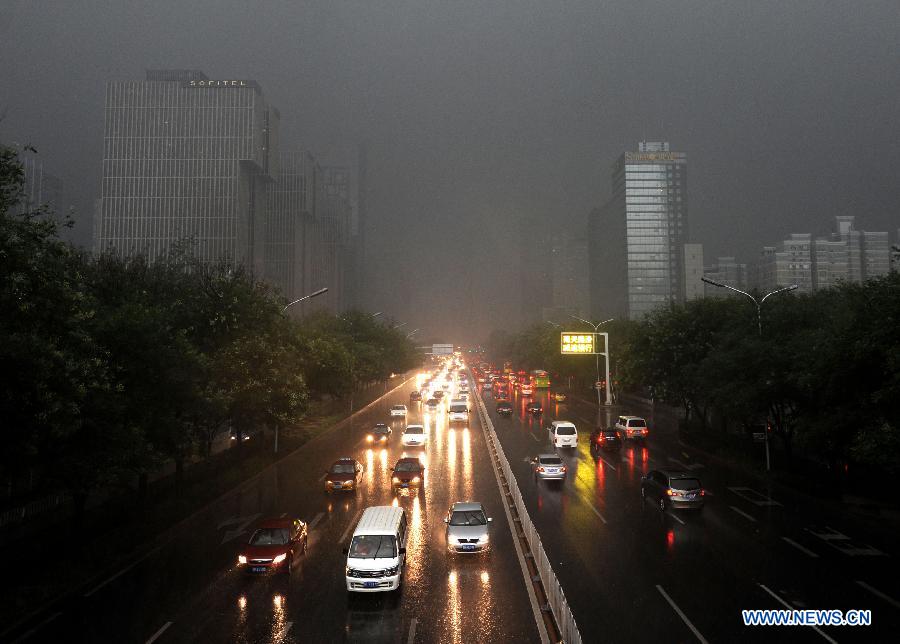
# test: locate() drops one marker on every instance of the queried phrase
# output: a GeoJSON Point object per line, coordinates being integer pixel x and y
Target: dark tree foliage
{"type": "Point", "coordinates": [111, 365]}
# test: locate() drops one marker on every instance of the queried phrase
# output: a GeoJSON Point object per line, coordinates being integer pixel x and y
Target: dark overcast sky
{"type": "Point", "coordinates": [486, 118]}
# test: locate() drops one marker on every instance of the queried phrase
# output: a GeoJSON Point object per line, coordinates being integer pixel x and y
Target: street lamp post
{"type": "Point", "coordinates": [597, 357]}
{"type": "Point", "coordinates": [305, 297]}
{"type": "Point", "coordinates": [758, 304]}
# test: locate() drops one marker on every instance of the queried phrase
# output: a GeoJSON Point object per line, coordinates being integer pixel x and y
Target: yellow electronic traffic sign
{"type": "Point", "coordinates": [577, 343]}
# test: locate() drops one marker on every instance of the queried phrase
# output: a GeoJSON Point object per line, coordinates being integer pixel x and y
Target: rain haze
{"type": "Point", "coordinates": [487, 120]}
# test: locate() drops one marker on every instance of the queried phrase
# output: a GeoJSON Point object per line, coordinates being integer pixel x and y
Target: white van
{"type": "Point", "coordinates": [563, 433]}
{"type": "Point", "coordinates": [459, 411]}
{"type": "Point", "coordinates": [377, 552]}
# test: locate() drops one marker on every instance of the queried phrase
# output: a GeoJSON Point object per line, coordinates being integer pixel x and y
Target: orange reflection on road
{"type": "Point", "coordinates": [601, 474]}
{"type": "Point", "coordinates": [454, 608]}
{"type": "Point", "coordinates": [415, 542]}
{"type": "Point", "coordinates": [370, 468]}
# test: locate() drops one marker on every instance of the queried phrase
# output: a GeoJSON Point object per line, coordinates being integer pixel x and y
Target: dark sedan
{"type": "Point", "coordinates": [505, 408]}
{"type": "Point", "coordinates": [605, 439]}
{"type": "Point", "coordinates": [668, 488]}
{"type": "Point", "coordinates": [534, 408]}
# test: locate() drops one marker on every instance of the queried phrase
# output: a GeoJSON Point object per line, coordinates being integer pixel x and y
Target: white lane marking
{"type": "Point", "coordinates": [314, 522]}
{"type": "Point", "coordinates": [743, 514]}
{"type": "Point", "coordinates": [754, 497]}
{"type": "Point", "coordinates": [801, 548]}
{"type": "Point", "coordinates": [536, 439]}
{"type": "Point", "coordinates": [412, 631]}
{"type": "Point", "coordinates": [37, 628]}
{"type": "Point", "coordinates": [789, 607]}
{"type": "Point", "coordinates": [597, 512]}
{"type": "Point", "coordinates": [677, 518]}
{"type": "Point", "coordinates": [608, 463]}
{"type": "Point", "coordinates": [121, 572]}
{"type": "Point", "coordinates": [241, 529]}
{"type": "Point", "coordinates": [322, 478]}
{"type": "Point", "coordinates": [283, 514]}
{"type": "Point", "coordinates": [890, 600]}
{"type": "Point", "coordinates": [156, 635]}
{"type": "Point", "coordinates": [350, 526]}
{"type": "Point", "coordinates": [681, 614]}
{"type": "Point", "coordinates": [843, 543]}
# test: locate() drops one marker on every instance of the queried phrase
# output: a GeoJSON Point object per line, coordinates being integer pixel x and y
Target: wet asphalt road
{"type": "Point", "coordinates": [190, 589]}
{"type": "Point", "coordinates": [634, 574]}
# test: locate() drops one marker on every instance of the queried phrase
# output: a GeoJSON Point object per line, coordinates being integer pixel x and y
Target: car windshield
{"type": "Point", "coordinates": [407, 466]}
{"type": "Point", "coordinates": [551, 460]}
{"type": "Point", "coordinates": [373, 546]}
{"type": "Point", "coordinates": [610, 434]}
{"type": "Point", "coordinates": [458, 408]}
{"type": "Point", "coordinates": [342, 468]}
{"type": "Point", "coordinates": [468, 517]}
{"type": "Point", "coordinates": [414, 429]}
{"type": "Point", "coordinates": [398, 407]}
{"type": "Point", "coordinates": [565, 430]}
{"type": "Point", "coordinates": [270, 537]}
{"type": "Point", "coordinates": [685, 484]}
{"type": "Point", "coordinates": [381, 429]}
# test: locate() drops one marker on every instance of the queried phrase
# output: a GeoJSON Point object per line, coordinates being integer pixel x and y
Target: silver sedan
{"type": "Point", "coordinates": [549, 467]}
{"type": "Point", "coordinates": [467, 528]}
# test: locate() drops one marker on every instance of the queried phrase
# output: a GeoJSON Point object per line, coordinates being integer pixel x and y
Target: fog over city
{"type": "Point", "coordinates": [489, 121]}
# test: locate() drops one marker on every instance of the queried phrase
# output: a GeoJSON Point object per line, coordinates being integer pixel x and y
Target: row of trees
{"type": "Point", "coordinates": [110, 366]}
{"type": "Point", "coordinates": [825, 371]}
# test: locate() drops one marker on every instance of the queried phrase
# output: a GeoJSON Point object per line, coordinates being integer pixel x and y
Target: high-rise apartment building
{"type": "Point", "coordinates": [637, 239]}
{"type": "Point", "coordinates": [725, 271]}
{"type": "Point", "coordinates": [187, 157]}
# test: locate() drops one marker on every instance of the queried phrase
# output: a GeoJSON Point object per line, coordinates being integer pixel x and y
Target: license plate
{"type": "Point", "coordinates": [468, 547]}
{"type": "Point", "coordinates": [690, 496]}
{"type": "Point", "coordinates": [370, 584]}
{"type": "Point", "coordinates": [404, 485]}
{"type": "Point", "coordinates": [259, 569]}
{"type": "Point", "coordinates": [552, 471]}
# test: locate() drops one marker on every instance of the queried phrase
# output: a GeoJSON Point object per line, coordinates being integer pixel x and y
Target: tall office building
{"type": "Point", "coordinates": [637, 238]}
{"type": "Point", "coordinates": [187, 157]}
{"type": "Point", "coordinates": [41, 188]}
{"type": "Point", "coordinates": [291, 229]}
{"type": "Point", "coordinates": [693, 272]}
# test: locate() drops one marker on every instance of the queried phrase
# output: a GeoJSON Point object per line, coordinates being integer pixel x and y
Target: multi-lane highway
{"type": "Point", "coordinates": [632, 573]}
{"type": "Point", "coordinates": [190, 588]}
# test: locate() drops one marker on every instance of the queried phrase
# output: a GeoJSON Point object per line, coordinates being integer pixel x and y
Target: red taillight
{"type": "Point", "coordinates": [540, 469]}
{"type": "Point", "coordinates": [562, 469]}
{"type": "Point", "coordinates": [702, 492]}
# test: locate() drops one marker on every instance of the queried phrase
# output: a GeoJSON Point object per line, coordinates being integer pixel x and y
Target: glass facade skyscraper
{"type": "Point", "coordinates": [187, 158]}
{"type": "Point", "coordinates": [637, 239]}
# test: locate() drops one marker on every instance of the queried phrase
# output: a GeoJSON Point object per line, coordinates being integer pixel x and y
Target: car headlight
{"type": "Point", "coordinates": [370, 438]}
{"type": "Point", "coordinates": [390, 572]}
{"type": "Point", "coordinates": [416, 479]}
{"type": "Point", "coordinates": [277, 560]}
{"type": "Point", "coordinates": [396, 479]}
{"type": "Point", "coordinates": [242, 559]}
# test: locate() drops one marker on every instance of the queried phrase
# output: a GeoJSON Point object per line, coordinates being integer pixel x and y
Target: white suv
{"type": "Point", "coordinates": [563, 433]}
{"type": "Point", "coordinates": [632, 427]}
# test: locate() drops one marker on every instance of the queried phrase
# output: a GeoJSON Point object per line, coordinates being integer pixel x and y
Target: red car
{"type": "Point", "coordinates": [408, 473]}
{"type": "Point", "coordinates": [344, 474]}
{"type": "Point", "coordinates": [275, 546]}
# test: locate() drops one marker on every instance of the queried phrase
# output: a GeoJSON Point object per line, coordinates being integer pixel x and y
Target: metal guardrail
{"type": "Point", "coordinates": [559, 607]}
{"type": "Point", "coordinates": [17, 515]}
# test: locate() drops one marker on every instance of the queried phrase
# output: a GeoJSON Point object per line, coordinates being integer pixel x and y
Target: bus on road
{"type": "Point", "coordinates": [540, 379]}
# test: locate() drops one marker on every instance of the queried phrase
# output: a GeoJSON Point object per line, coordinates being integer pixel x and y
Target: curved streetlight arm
{"type": "Point", "coordinates": [731, 288]}
{"type": "Point", "coordinates": [305, 297]}
{"type": "Point", "coordinates": [792, 287]}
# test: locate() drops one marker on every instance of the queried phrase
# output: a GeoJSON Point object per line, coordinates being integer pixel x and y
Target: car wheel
{"type": "Point", "coordinates": [662, 505]}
